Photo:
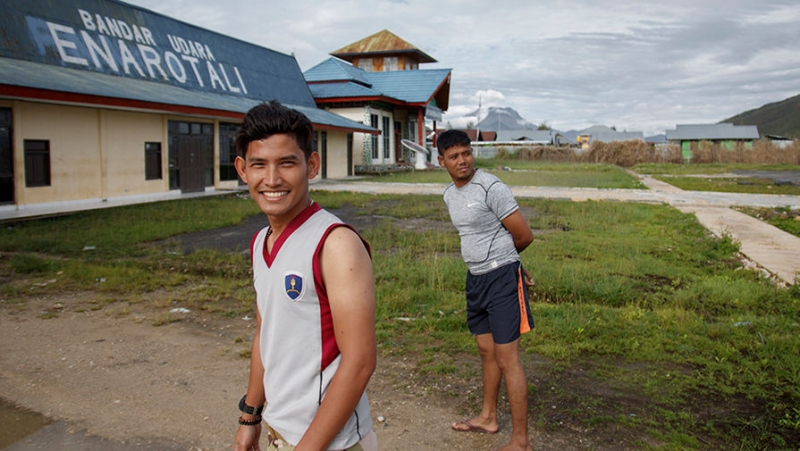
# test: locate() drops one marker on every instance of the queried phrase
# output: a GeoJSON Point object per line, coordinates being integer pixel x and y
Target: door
{"type": "Point", "coordinates": [191, 153]}
{"type": "Point", "coordinates": [6, 158]}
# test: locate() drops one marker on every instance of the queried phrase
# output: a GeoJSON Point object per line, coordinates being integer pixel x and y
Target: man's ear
{"type": "Point", "coordinates": [314, 163]}
{"type": "Point", "coordinates": [441, 160]}
{"type": "Point", "coordinates": [240, 164]}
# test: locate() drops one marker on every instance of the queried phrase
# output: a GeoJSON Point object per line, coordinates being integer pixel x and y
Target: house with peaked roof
{"type": "Point", "coordinates": [726, 135]}
{"type": "Point", "coordinates": [101, 100]}
{"type": "Point", "coordinates": [377, 81]}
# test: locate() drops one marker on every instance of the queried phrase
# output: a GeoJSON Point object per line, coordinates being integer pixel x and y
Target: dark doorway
{"type": "Point", "coordinates": [323, 153]}
{"type": "Point", "coordinates": [6, 158]}
{"type": "Point", "coordinates": [349, 154]}
{"type": "Point", "coordinates": [191, 155]}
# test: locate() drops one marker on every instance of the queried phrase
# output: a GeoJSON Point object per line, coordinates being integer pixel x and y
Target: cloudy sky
{"type": "Point", "coordinates": [640, 66]}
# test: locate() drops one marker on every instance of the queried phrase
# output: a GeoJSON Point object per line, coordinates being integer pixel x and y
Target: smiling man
{"type": "Point", "coordinates": [314, 350]}
{"type": "Point", "coordinates": [493, 232]}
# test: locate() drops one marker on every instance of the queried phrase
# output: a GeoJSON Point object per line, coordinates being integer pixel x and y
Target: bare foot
{"type": "Point", "coordinates": [511, 447]}
{"type": "Point", "coordinates": [475, 425]}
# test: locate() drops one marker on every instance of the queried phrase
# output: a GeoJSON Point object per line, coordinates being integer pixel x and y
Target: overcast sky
{"type": "Point", "coordinates": [640, 66]}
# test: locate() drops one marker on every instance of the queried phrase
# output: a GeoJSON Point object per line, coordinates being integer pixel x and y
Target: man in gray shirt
{"type": "Point", "coordinates": [493, 232]}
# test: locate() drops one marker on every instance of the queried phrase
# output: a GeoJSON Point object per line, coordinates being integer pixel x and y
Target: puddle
{"type": "Point", "coordinates": [17, 423]}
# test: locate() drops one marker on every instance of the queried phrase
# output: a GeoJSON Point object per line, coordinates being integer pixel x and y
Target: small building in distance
{"type": "Point", "coordinates": [726, 135]}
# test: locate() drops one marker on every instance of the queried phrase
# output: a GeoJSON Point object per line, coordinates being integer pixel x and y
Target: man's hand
{"type": "Point", "coordinates": [247, 438]}
{"type": "Point", "coordinates": [528, 279]}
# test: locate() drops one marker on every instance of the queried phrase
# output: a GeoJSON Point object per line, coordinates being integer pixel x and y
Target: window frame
{"type": "Point", "coordinates": [37, 163]}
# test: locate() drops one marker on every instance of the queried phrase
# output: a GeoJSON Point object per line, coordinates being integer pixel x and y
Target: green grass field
{"type": "Point", "coordinates": [645, 322]}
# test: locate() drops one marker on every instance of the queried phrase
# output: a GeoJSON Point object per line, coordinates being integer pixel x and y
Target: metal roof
{"type": "Point", "coordinates": [41, 76]}
{"type": "Point", "coordinates": [107, 48]}
{"type": "Point", "coordinates": [723, 131]}
{"type": "Point", "coordinates": [335, 78]}
{"type": "Point", "coordinates": [381, 43]}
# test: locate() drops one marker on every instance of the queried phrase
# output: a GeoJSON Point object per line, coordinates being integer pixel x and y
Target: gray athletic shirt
{"type": "Point", "coordinates": [476, 210]}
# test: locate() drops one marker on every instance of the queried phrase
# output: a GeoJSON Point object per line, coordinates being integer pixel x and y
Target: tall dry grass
{"type": "Point", "coordinates": [631, 153]}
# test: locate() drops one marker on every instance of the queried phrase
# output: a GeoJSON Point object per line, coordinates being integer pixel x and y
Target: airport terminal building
{"type": "Point", "coordinates": [103, 100]}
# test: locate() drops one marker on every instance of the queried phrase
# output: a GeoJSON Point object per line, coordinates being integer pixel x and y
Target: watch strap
{"type": "Point", "coordinates": [244, 408]}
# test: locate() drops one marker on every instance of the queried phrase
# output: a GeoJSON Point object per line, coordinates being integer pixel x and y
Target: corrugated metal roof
{"type": "Point", "coordinates": [382, 42]}
{"type": "Point", "coordinates": [111, 49]}
{"type": "Point", "coordinates": [412, 86]}
{"type": "Point", "coordinates": [335, 79]}
{"type": "Point", "coordinates": [41, 76]}
{"type": "Point", "coordinates": [342, 90]}
{"type": "Point", "coordinates": [333, 69]}
{"type": "Point", "coordinates": [723, 131]}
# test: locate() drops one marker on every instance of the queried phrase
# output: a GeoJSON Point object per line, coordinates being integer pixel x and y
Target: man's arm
{"type": "Point", "coordinates": [347, 275]}
{"type": "Point", "coordinates": [247, 436]}
{"type": "Point", "coordinates": [516, 224]}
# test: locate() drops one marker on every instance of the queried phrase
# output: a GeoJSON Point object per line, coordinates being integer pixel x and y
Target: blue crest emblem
{"type": "Point", "coordinates": [293, 284]}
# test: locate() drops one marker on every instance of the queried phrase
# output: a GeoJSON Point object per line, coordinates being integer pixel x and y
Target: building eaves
{"type": "Point", "coordinates": [98, 89]}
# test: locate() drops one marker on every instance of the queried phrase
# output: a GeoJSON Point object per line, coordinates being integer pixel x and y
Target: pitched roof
{"type": "Point", "coordinates": [381, 43]}
{"type": "Point", "coordinates": [23, 76]}
{"type": "Point", "coordinates": [725, 130]}
{"type": "Point", "coordinates": [337, 79]}
{"type": "Point", "coordinates": [82, 63]}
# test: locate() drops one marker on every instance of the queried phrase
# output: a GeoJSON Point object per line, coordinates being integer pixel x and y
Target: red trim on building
{"type": "Point", "coordinates": [93, 100]}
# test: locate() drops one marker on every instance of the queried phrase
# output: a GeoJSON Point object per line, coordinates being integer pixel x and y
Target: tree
{"type": "Point", "coordinates": [544, 126]}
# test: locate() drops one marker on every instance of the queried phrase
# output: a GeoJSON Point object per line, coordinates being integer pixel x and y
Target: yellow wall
{"type": "Point", "coordinates": [358, 114]}
{"type": "Point", "coordinates": [94, 153]}
{"type": "Point", "coordinates": [337, 155]}
{"type": "Point", "coordinates": [75, 164]}
{"type": "Point", "coordinates": [123, 137]}
{"type": "Point", "coordinates": [98, 153]}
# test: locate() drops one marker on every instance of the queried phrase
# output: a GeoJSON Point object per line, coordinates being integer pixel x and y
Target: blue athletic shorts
{"type": "Point", "coordinates": [497, 303]}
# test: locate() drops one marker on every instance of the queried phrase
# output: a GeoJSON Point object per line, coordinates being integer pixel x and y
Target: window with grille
{"type": "Point", "coordinates": [152, 161]}
{"type": "Point", "coordinates": [37, 162]}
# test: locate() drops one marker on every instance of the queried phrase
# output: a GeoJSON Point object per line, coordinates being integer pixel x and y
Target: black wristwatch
{"type": "Point", "coordinates": [249, 410]}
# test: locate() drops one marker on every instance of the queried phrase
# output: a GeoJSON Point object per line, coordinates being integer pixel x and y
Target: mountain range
{"type": "Point", "coordinates": [778, 118]}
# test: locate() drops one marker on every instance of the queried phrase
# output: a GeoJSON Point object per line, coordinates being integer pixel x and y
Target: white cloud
{"type": "Point", "coordinates": [641, 66]}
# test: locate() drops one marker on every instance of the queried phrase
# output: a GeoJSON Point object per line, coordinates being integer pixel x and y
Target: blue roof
{"type": "Point", "coordinates": [111, 49]}
{"type": "Point", "coordinates": [334, 78]}
{"type": "Point", "coordinates": [333, 69]}
{"type": "Point", "coordinates": [41, 76]}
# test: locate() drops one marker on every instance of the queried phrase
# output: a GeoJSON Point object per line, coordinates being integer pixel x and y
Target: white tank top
{"type": "Point", "coordinates": [298, 346]}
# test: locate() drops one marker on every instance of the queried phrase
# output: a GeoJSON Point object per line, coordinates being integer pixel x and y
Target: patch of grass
{"type": "Point", "coordinates": [530, 173]}
{"type": "Point", "coordinates": [708, 168]}
{"type": "Point", "coordinates": [752, 185]}
{"type": "Point", "coordinates": [783, 218]}
{"type": "Point", "coordinates": [658, 306]}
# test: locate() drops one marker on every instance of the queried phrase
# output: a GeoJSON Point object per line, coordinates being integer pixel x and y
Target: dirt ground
{"type": "Point", "coordinates": [102, 368]}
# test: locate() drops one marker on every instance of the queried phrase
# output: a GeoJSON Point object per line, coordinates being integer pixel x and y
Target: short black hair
{"type": "Point", "coordinates": [273, 118]}
{"type": "Point", "coordinates": [451, 138]}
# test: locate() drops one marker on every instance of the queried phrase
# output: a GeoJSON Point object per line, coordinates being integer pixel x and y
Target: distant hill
{"type": "Point", "coordinates": [499, 119]}
{"type": "Point", "coordinates": [779, 118]}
